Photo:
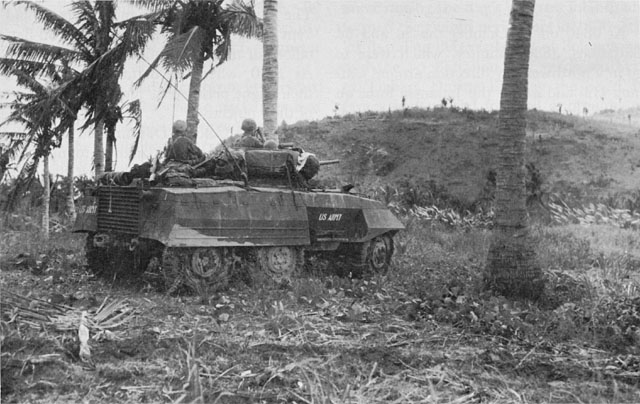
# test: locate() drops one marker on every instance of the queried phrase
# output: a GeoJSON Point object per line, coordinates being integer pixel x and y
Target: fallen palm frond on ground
{"type": "Point", "coordinates": [452, 217]}
{"type": "Point", "coordinates": [593, 214]}
{"type": "Point", "coordinates": [37, 313]}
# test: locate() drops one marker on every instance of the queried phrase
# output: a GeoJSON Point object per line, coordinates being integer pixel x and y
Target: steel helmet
{"type": "Point", "coordinates": [179, 126]}
{"type": "Point", "coordinates": [249, 125]}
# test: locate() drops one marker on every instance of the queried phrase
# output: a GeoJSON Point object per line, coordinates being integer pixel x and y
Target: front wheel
{"type": "Point", "coordinates": [368, 258]}
{"type": "Point", "coordinates": [380, 251]}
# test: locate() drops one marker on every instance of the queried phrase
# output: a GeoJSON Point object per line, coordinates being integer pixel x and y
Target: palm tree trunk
{"type": "Point", "coordinates": [270, 69]}
{"type": "Point", "coordinates": [70, 205]}
{"type": "Point", "coordinates": [194, 98]}
{"type": "Point", "coordinates": [46, 198]}
{"type": "Point", "coordinates": [512, 268]}
{"type": "Point", "coordinates": [98, 149]}
{"type": "Point", "coordinates": [108, 152]}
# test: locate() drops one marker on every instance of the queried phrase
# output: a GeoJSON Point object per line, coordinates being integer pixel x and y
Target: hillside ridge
{"type": "Point", "coordinates": [588, 159]}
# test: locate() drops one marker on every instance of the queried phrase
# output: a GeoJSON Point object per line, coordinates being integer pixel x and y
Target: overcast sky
{"type": "Point", "coordinates": [367, 54]}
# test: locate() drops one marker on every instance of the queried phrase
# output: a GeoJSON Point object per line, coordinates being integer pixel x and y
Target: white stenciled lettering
{"type": "Point", "coordinates": [88, 209]}
{"type": "Point", "coordinates": [335, 217]}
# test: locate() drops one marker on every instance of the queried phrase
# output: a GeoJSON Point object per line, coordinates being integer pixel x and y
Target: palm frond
{"type": "Point", "coordinates": [9, 152]}
{"type": "Point", "coordinates": [180, 50]}
{"type": "Point", "coordinates": [211, 69]}
{"type": "Point", "coordinates": [110, 315]}
{"type": "Point", "coordinates": [24, 49]}
{"type": "Point", "coordinates": [154, 5]}
{"type": "Point", "coordinates": [25, 79]}
{"type": "Point", "coordinates": [150, 68]}
{"type": "Point", "coordinates": [153, 17]}
{"type": "Point", "coordinates": [224, 48]}
{"type": "Point", "coordinates": [241, 19]}
{"type": "Point", "coordinates": [9, 65]}
{"type": "Point", "coordinates": [86, 21]}
{"type": "Point", "coordinates": [22, 183]}
{"type": "Point", "coordinates": [59, 26]}
{"type": "Point", "coordinates": [133, 111]}
{"type": "Point", "coordinates": [137, 33]}
{"type": "Point", "coordinates": [165, 91]}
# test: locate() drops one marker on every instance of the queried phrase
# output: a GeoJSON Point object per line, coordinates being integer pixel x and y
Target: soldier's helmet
{"type": "Point", "coordinates": [249, 125]}
{"type": "Point", "coordinates": [179, 127]}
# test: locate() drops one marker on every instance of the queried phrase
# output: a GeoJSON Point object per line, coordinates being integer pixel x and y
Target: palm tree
{"type": "Point", "coordinates": [270, 69]}
{"type": "Point", "coordinates": [197, 31]}
{"type": "Point", "coordinates": [512, 268]}
{"type": "Point", "coordinates": [37, 111]}
{"type": "Point", "coordinates": [97, 46]}
{"type": "Point", "coordinates": [131, 111]}
{"type": "Point", "coordinates": [58, 74]}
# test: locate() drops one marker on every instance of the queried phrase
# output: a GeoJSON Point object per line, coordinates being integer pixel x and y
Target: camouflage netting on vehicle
{"type": "Point", "coordinates": [270, 164]}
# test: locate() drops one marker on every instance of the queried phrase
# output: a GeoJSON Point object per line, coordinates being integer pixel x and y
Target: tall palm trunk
{"type": "Point", "coordinates": [512, 268]}
{"type": "Point", "coordinates": [108, 152]}
{"type": "Point", "coordinates": [70, 205]}
{"type": "Point", "coordinates": [270, 69]}
{"type": "Point", "coordinates": [98, 149]}
{"type": "Point", "coordinates": [46, 198]}
{"type": "Point", "coordinates": [194, 98]}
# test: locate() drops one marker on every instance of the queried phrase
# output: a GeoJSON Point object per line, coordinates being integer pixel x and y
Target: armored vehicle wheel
{"type": "Point", "coordinates": [96, 259]}
{"type": "Point", "coordinates": [280, 263]}
{"type": "Point", "coordinates": [207, 271]}
{"type": "Point", "coordinates": [379, 254]}
{"type": "Point", "coordinates": [113, 257]}
{"type": "Point", "coordinates": [202, 270]}
{"type": "Point", "coordinates": [172, 269]}
{"type": "Point", "coordinates": [368, 258]}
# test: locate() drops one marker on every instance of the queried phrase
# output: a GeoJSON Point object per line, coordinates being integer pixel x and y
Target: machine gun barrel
{"type": "Point", "coordinates": [328, 162]}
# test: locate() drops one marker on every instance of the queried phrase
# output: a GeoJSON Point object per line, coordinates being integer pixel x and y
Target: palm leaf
{"type": "Point", "coordinates": [133, 111]}
{"type": "Point", "coordinates": [38, 52]}
{"type": "Point", "coordinates": [38, 313]}
{"type": "Point", "coordinates": [241, 19]}
{"type": "Point", "coordinates": [136, 35]}
{"type": "Point", "coordinates": [59, 26]}
{"type": "Point", "coordinates": [22, 183]}
{"type": "Point", "coordinates": [150, 68]}
{"type": "Point", "coordinates": [9, 65]}
{"type": "Point", "coordinates": [180, 50]}
{"type": "Point", "coordinates": [155, 5]}
{"type": "Point", "coordinates": [169, 86]}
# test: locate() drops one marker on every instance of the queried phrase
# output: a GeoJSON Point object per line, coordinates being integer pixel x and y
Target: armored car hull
{"type": "Point", "coordinates": [200, 236]}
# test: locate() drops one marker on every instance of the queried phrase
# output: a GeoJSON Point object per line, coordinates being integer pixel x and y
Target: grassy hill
{"type": "Point", "coordinates": [586, 159]}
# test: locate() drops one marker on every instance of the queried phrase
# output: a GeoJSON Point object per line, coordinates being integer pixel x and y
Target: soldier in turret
{"type": "Point", "coordinates": [180, 148]}
{"type": "Point", "coordinates": [252, 137]}
{"type": "Point", "coordinates": [180, 157]}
